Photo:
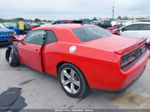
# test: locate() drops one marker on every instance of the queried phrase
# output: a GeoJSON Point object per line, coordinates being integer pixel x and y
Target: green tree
{"type": "Point", "coordinates": [94, 19]}
{"type": "Point", "coordinates": [119, 17]}
{"type": "Point", "coordinates": [37, 20]}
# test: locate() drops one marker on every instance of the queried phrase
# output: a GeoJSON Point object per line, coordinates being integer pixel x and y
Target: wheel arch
{"type": "Point", "coordinates": [63, 62]}
{"type": "Point", "coordinates": [13, 46]}
{"type": "Point", "coordinates": [8, 52]}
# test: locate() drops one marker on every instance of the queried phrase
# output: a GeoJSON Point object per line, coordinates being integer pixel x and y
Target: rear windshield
{"type": "Point", "coordinates": [90, 33]}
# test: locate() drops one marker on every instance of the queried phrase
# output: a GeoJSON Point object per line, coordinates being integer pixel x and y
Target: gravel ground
{"type": "Point", "coordinates": [42, 91]}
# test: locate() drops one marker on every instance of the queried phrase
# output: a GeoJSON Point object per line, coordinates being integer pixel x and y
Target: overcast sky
{"type": "Point", "coordinates": [72, 9]}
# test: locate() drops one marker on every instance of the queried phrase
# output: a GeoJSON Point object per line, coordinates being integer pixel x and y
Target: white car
{"type": "Point", "coordinates": [137, 30]}
{"type": "Point", "coordinates": [46, 24]}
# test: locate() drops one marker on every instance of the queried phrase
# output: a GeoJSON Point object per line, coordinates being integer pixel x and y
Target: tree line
{"type": "Point", "coordinates": [18, 19]}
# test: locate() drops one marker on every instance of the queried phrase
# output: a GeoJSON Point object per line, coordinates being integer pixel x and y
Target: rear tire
{"type": "Point", "coordinates": [73, 81]}
{"type": "Point", "coordinates": [11, 57]}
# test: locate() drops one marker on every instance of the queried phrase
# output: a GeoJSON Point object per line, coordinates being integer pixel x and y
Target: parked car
{"type": "Point", "coordinates": [83, 57]}
{"type": "Point", "coordinates": [6, 35]}
{"type": "Point", "coordinates": [115, 29]}
{"type": "Point", "coordinates": [104, 24]}
{"type": "Point", "coordinates": [46, 24]}
{"type": "Point", "coordinates": [14, 26]}
{"type": "Point", "coordinates": [71, 22]}
{"type": "Point", "coordinates": [144, 20]}
{"type": "Point", "coordinates": [62, 22]}
{"type": "Point", "coordinates": [34, 25]}
{"type": "Point", "coordinates": [138, 30]}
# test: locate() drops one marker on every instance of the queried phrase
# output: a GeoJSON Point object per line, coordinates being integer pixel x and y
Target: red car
{"type": "Point", "coordinates": [84, 57]}
{"type": "Point", "coordinates": [114, 29]}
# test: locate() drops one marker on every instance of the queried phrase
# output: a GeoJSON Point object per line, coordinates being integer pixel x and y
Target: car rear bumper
{"type": "Point", "coordinates": [120, 90]}
{"type": "Point", "coordinates": [129, 76]}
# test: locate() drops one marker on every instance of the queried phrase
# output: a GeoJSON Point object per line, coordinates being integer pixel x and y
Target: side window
{"type": "Point", "coordinates": [35, 37]}
{"type": "Point", "coordinates": [132, 27]}
{"type": "Point", "coordinates": [145, 27]}
{"type": "Point", "coordinates": [51, 37]}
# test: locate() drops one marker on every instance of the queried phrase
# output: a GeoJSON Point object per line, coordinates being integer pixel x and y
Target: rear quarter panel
{"type": "Point", "coordinates": [96, 65]}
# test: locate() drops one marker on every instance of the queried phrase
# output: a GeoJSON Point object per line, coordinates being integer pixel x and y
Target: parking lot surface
{"type": "Point", "coordinates": [42, 91]}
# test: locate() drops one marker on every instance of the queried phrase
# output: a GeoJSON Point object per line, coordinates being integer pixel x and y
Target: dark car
{"type": "Point", "coordinates": [71, 22]}
{"type": "Point", "coordinates": [104, 24]}
{"type": "Point", "coordinates": [34, 25]}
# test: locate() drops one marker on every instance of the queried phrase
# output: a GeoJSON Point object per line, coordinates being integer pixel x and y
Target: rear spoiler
{"type": "Point", "coordinates": [130, 48]}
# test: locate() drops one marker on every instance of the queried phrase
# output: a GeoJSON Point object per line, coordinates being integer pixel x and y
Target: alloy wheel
{"type": "Point", "coordinates": [70, 80]}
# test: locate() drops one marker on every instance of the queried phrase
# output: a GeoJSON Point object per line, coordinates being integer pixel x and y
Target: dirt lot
{"type": "Point", "coordinates": [42, 91]}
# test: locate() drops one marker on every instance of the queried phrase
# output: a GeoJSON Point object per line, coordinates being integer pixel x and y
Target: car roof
{"type": "Point", "coordinates": [140, 23]}
{"type": "Point", "coordinates": [64, 26]}
{"type": "Point", "coordinates": [62, 31]}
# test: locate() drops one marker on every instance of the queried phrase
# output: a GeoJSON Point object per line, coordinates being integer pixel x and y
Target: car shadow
{"type": "Point", "coordinates": [4, 46]}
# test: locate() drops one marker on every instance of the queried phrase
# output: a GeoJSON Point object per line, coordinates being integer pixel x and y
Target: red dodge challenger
{"type": "Point", "coordinates": [83, 57]}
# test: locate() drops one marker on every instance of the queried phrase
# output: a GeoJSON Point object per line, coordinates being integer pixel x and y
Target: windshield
{"type": "Point", "coordinates": [2, 26]}
{"type": "Point", "coordinates": [90, 33]}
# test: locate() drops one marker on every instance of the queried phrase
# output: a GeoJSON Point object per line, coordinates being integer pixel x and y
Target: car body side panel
{"type": "Point", "coordinates": [101, 69]}
{"type": "Point", "coordinates": [137, 34]}
{"type": "Point", "coordinates": [93, 68]}
{"type": "Point", "coordinates": [132, 33]}
{"type": "Point", "coordinates": [144, 34]}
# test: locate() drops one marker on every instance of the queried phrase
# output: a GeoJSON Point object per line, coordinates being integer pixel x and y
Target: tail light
{"type": "Point", "coordinates": [130, 58]}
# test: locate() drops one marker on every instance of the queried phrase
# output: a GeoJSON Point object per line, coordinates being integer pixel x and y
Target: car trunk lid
{"type": "Point", "coordinates": [116, 44]}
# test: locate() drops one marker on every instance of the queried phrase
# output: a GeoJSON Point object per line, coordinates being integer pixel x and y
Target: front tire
{"type": "Point", "coordinates": [72, 81]}
{"type": "Point", "coordinates": [11, 57]}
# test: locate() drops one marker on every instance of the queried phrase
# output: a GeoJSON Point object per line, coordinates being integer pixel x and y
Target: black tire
{"type": "Point", "coordinates": [14, 61]}
{"type": "Point", "coordinates": [148, 45]}
{"type": "Point", "coordinates": [83, 90]}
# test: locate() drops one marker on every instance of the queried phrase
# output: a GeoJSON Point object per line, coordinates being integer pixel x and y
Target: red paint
{"type": "Point", "coordinates": [99, 59]}
{"type": "Point", "coordinates": [114, 30]}
{"type": "Point", "coordinates": [30, 55]}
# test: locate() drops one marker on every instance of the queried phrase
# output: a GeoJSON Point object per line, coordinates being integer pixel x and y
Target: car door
{"type": "Point", "coordinates": [49, 52]}
{"type": "Point", "coordinates": [130, 30]}
{"type": "Point", "coordinates": [30, 49]}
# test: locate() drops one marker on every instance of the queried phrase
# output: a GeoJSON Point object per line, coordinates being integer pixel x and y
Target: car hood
{"type": "Point", "coordinates": [116, 44]}
{"type": "Point", "coordinates": [5, 30]}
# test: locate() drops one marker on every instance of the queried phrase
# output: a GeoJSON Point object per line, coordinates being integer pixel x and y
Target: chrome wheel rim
{"type": "Point", "coordinates": [70, 80]}
{"type": "Point", "coordinates": [10, 56]}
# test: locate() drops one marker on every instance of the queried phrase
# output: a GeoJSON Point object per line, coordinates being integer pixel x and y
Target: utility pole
{"type": "Point", "coordinates": [113, 10]}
